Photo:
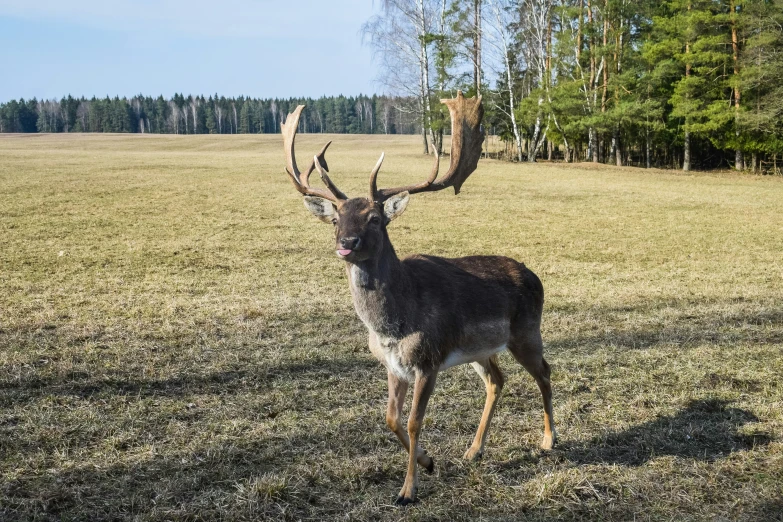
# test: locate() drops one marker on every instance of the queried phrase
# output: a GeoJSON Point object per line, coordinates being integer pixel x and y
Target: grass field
{"type": "Point", "coordinates": [178, 342]}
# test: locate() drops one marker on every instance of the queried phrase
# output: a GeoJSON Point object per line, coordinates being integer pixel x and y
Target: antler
{"type": "Point", "coordinates": [466, 140]}
{"type": "Point", "coordinates": [302, 180]}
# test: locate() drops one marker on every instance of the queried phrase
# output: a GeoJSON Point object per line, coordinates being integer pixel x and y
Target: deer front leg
{"type": "Point", "coordinates": [397, 390]}
{"type": "Point", "coordinates": [422, 390]}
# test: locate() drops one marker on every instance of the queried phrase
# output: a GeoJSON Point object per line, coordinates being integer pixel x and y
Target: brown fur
{"type": "Point", "coordinates": [427, 313]}
{"type": "Point", "coordinates": [421, 310]}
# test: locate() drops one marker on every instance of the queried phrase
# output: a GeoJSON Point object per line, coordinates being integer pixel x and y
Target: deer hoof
{"type": "Point", "coordinates": [431, 467]}
{"type": "Point", "coordinates": [548, 443]}
{"type": "Point", "coordinates": [473, 454]}
{"type": "Point", "coordinates": [404, 501]}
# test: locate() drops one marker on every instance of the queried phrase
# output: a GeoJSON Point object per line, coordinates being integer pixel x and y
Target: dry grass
{"type": "Point", "coordinates": [177, 340]}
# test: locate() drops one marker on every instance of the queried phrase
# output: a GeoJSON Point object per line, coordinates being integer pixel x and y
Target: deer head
{"type": "Point", "coordinates": [360, 223]}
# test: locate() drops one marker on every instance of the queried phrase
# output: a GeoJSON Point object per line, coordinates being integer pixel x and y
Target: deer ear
{"type": "Point", "coordinates": [320, 208]}
{"type": "Point", "coordinates": [395, 205]}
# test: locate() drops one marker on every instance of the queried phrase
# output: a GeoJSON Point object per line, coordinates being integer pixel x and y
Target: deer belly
{"type": "Point", "coordinates": [457, 356]}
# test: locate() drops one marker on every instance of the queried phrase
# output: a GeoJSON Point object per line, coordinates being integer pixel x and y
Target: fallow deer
{"type": "Point", "coordinates": [425, 313]}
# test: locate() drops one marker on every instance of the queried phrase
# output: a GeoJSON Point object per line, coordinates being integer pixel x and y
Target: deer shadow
{"type": "Point", "coordinates": [180, 481]}
{"type": "Point", "coordinates": [705, 429]}
{"type": "Point", "coordinates": [82, 385]}
{"type": "Point", "coordinates": [770, 510]}
{"type": "Point", "coordinates": [689, 329]}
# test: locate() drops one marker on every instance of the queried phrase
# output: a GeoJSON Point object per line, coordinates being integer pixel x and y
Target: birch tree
{"type": "Point", "coordinates": [400, 37]}
{"type": "Point", "coordinates": [498, 37]}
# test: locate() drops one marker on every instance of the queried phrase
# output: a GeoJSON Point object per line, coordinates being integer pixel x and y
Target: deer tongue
{"type": "Point", "coordinates": [344, 252]}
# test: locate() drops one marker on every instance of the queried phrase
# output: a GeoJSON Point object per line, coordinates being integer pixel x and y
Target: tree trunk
{"type": "Point", "coordinates": [686, 152]}
{"type": "Point", "coordinates": [618, 61]}
{"type": "Point", "coordinates": [425, 68]}
{"type": "Point", "coordinates": [606, 74]}
{"type": "Point", "coordinates": [477, 46]}
{"type": "Point", "coordinates": [739, 162]}
{"type": "Point", "coordinates": [510, 87]}
{"type": "Point", "coordinates": [739, 159]}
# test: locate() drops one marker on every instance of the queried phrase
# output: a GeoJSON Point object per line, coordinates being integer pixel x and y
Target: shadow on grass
{"type": "Point", "coordinates": [261, 472]}
{"type": "Point", "coordinates": [81, 385]}
{"type": "Point", "coordinates": [771, 510]}
{"type": "Point", "coordinates": [201, 484]}
{"type": "Point", "coordinates": [704, 429]}
{"type": "Point", "coordinates": [690, 327]}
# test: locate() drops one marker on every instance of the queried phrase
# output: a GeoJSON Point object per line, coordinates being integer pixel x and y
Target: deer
{"type": "Point", "coordinates": [424, 313]}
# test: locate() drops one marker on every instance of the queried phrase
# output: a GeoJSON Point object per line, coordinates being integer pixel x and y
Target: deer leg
{"type": "Point", "coordinates": [422, 390]}
{"type": "Point", "coordinates": [529, 354]}
{"type": "Point", "coordinates": [490, 373]}
{"type": "Point", "coordinates": [397, 390]}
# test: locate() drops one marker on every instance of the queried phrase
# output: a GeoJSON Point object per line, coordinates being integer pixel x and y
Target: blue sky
{"type": "Point", "coordinates": [259, 48]}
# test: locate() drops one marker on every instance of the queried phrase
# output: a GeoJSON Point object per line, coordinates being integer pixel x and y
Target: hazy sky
{"type": "Point", "coordinates": [259, 48]}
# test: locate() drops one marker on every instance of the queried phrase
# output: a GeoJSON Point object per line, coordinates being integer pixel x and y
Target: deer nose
{"type": "Point", "coordinates": [350, 243]}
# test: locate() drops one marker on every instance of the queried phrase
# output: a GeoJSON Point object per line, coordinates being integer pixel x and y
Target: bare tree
{"type": "Point", "coordinates": [49, 115]}
{"type": "Point", "coordinates": [173, 117]}
{"type": "Point", "coordinates": [477, 33]}
{"type": "Point", "coordinates": [273, 110]}
{"type": "Point", "coordinates": [400, 37]}
{"type": "Point", "coordinates": [387, 114]}
{"type": "Point", "coordinates": [498, 38]}
{"type": "Point", "coordinates": [359, 109]}
{"type": "Point", "coordinates": [535, 23]}
{"type": "Point", "coordinates": [194, 111]}
{"type": "Point", "coordinates": [219, 117]}
{"type": "Point", "coordinates": [368, 109]}
{"type": "Point", "coordinates": [83, 114]}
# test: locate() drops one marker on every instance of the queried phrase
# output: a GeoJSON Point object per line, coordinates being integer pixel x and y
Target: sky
{"type": "Point", "coordinates": [258, 48]}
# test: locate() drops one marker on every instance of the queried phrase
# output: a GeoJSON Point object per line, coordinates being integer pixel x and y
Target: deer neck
{"type": "Point", "coordinates": [378, 289]}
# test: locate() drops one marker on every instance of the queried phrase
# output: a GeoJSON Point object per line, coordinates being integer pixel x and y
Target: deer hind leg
{"type": "Point", "coordinates": [490, 373]}
{"type": "Point", "coordinates": [528, 352]}
{"type": "Point", "coordinates": [422, 390]}
{"type": "Point", "coordinates": [397, 390]}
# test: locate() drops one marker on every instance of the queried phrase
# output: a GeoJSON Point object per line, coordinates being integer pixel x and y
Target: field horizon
{"type": "Point", "coordinates": [178, 341]}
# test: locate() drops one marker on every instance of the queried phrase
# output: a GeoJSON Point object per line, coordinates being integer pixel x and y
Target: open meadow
{"type": "Point", "coordinates": [178, 341]}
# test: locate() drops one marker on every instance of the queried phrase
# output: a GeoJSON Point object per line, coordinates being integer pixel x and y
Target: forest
{"type": "Point", "coordinates": [678, 83]}
{"type": "Point", "coordinates": [210, 115]}
{"type": "Point", "coordinates": [674, 84]}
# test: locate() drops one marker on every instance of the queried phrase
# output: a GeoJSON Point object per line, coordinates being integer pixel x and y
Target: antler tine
{"type": "Point", "coordinates": [466, 141]}
{"type": "Point", "coordinates": [301, 180]}
{"type": "Point", "coordinates": [328, 182]}
{"type": "Point", "coordinates": [374, 177]}
{"type": "Point", "coordinates": [305, 178]}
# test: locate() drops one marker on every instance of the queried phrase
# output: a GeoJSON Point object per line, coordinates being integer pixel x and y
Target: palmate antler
{"type": "Point", "coordinates": [302, 181]}
{"type": "Point", "coordinates": [466, 139]}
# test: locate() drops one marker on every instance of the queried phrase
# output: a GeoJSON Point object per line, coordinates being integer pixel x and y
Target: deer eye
{"type": "Point", "coordinates": [375, 220]}
{"type": "Point", "coordinates": [334, 221]}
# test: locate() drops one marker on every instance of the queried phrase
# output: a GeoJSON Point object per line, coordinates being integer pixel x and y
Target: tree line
{"type": "Point", "coordinates": [210, 115]}
{"type": "Point", "coordinates": [673, 83]}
